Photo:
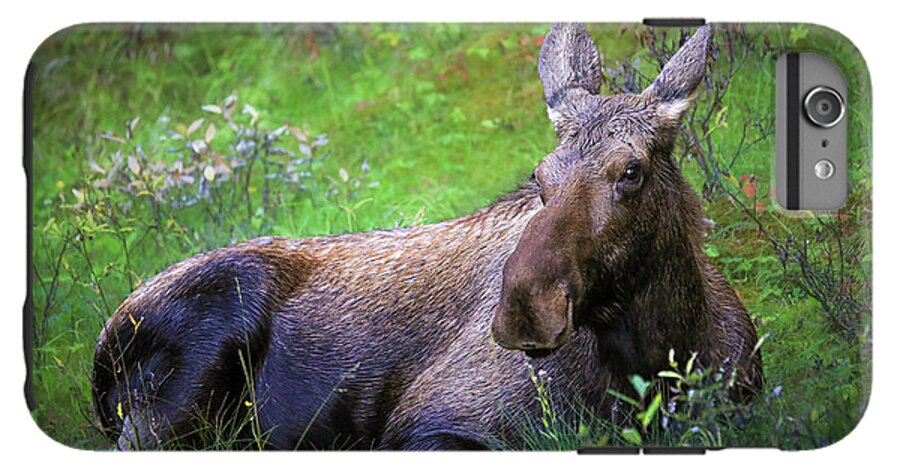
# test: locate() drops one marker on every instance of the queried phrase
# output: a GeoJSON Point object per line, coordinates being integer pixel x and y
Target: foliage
{"type": "Point", "coordinates": [139, 163]}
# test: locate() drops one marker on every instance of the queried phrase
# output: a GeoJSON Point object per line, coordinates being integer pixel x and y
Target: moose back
{"type": "Point", "coordinates": [425, 337]}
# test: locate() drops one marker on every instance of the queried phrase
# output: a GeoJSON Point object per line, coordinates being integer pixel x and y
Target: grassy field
{"type": "Point", "coordinates": [152, 144]}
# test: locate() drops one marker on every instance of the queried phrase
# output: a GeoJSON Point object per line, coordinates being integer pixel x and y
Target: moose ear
{"type": "Point", "coordinates": [675, 85]}
{"type": "Point", "coordinates": [569, 65]}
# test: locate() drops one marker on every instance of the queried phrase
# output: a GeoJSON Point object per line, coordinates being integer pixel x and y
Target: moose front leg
{"type": "Point", "coordinates": [433, 432]}
{"type": "Point", "coordinates": [456, 413]}
{"type": "Point", "coordinates": [455, 403]}
{"type": "Point", "coordinates": [437, 412]}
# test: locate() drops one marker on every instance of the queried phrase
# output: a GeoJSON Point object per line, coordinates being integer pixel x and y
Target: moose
{"type": "Point", "coordinates": [424, 337]}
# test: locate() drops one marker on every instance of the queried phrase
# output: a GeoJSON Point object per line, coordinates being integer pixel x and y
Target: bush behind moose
{"type": "Point", "coordinates": [350, 200]}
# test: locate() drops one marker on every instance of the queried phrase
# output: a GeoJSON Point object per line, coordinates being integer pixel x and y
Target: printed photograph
{"type": "Point", "coordinates": [506, 237]}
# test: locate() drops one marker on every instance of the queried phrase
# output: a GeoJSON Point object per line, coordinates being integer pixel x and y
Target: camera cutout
{"type": "Point", "coordinates": [810, 133]}
{"type": "Point", "coordinates": [824, 107]}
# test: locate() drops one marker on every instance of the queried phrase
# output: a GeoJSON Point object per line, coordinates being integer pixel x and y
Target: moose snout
{"type": "Point", "coordinates": [526, 322]}
{"type": "Point", "coordinates": [541, 285]}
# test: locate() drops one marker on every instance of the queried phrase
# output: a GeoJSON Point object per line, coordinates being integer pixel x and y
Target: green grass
{"type": "Point", "coordinates": [425, 123]}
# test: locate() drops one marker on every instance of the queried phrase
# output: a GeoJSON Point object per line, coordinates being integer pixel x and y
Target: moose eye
{"type": "Point", "coordinates": [632, 172]}
{"type": "Point", "coordinates": [631, 179]}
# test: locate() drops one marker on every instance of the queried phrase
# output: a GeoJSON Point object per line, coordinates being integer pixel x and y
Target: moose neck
{"type": "Point", "coordinates": [661, 298]}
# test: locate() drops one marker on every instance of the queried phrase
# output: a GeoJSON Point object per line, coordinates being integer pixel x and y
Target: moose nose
{"type": "Point", "coordinates": [536, 324]}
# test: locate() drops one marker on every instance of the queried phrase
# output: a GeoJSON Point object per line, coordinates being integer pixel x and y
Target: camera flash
{"type": "Point", "coordinates": [824, 169]}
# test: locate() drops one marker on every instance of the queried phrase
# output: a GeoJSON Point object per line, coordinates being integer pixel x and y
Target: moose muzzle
{"type": "Point", "coordinates": [539, 292]}
{"type": "Point", "coordinates": [530, 323]}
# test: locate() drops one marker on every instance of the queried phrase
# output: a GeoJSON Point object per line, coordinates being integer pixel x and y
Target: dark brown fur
{"type": "Point", "coordinates": [389, 339]}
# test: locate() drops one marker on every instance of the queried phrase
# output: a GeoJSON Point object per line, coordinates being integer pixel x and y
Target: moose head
{"type": "Point", "coordinates": [611, 194]}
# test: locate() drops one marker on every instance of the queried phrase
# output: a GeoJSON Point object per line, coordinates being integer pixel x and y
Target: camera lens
{"type": "Point", "coordinates": [824, 106]}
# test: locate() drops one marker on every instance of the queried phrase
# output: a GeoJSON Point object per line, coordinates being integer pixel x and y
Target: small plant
{"type": "Point", "coordinates": [684, 405]}
{"type": "Point", "coordinates": [549, 423]}
{"type": "Point", "coordinates": [697, 402]}
{"type": "Point", "coordinates": [219, 162]}
{"type": "Point", "coordinates": [557, 425]}
{"type": "Point", "coordinates": [644, 412]}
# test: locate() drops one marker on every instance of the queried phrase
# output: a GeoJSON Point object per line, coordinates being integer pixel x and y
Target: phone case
{"type": "Point", "coordinates": [437, 236]}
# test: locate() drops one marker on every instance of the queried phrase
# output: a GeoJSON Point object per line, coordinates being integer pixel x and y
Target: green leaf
{"type": "Point", "coordinates": [647, 416]}
{"type": "Point", "coordinates": [457, 115]}
{"type": "Point", "coordinates": [690, 363]}
{"type": "Point", "coordinates": [640, 385]}
{"type": "Point", "coordinates": [624, 398]}
{"type": "Point", "coordinates": [424, 87]}
{"type": "Point", "coordinates": [631, 435]}
{"type": "Point", "coordinates": [670, 374]}
{"type": "Point", "coordinates": [419, 53]}
{"type": "Point", "coordinates": [759, 342]}
{"type": "Point", "coordinates": [583, 430]}
{"type": "Point", "coordinates": [479, 51]}
{"type": "Point", "coordinates": [798, 33]}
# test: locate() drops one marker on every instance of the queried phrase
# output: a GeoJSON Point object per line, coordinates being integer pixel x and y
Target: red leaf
{"type": "Point", "coordinates": [760, 207]}
{"type": "Point", "coordinates": [749, 188]}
